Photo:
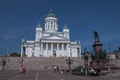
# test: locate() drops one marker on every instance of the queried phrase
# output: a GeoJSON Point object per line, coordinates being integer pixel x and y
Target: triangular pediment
{"type": "Point", "coordinates": [56, 37]}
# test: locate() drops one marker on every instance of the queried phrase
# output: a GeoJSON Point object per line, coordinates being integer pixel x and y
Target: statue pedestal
{"type": "Point", "coordinates": [97, 46]}
{"type": "Point", "coordinates": [101, 64]}
{"type": "Point", "coordinates": [99, 61]}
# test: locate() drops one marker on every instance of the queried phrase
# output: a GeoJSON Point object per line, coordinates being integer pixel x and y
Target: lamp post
{"type": "Point", "coordinates": [86, 61]}
{"type": "Point", "coordinates": [69, 61]}
{"type": "Point", "coordinates": [23, 52]}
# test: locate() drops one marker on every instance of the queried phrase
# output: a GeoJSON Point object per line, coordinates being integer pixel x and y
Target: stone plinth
{"type": "Point", "coordinates": [97, 46]}
{"type": "Point", "coordinates": [102, 64]}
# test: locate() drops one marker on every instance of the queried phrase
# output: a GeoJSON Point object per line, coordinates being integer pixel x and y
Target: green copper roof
{"type": "Point", "coordinates": [51, 14]}
{"type": "Point", "coordinates": [65, 26]}
{"type": "Point", "coordinates": [39, 25]}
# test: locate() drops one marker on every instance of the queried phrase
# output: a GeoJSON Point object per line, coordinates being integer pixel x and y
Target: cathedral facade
{"type": "Point", "coordinates": [51, 43]}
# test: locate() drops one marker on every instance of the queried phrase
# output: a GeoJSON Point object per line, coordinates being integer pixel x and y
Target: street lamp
{"type": "Point", "coordinates": [23, 51]}
{"type": "Point", "coordinates": [86, 61]}
{"type": "Point", "coordinates": [69, 61]}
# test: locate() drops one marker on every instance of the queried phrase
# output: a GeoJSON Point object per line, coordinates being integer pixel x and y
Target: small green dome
{"type": "Point", "coordinates": [39, 26]}
{"type": "Point", "coordinates": [65, 26]}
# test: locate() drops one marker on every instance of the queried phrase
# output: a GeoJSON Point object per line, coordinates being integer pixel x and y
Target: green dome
{"type": "Point", "coordinates": [51, 14]}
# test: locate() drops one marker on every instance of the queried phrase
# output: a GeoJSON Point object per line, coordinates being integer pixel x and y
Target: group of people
{"type": "Point", "coordinates": [95, 72]}
{"type": "Point", "coordinates": [56, 69]}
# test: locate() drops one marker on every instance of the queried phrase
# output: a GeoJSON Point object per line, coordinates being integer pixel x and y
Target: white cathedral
{"type": "Point", "coordinates": [51, 43]}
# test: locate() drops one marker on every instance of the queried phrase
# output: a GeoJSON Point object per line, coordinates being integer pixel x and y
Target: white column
{"type": "Point", "coordinates": [52, 27]}
{"type": "Point", "coordinates": [47, 49]}
{"type": "Point", "coordinates": [56, 26]}
{"type": "Point", "coordinates": [57, 53]}
{"type": "Point", "coordinates": [67, 54]}
{"type": "Point", "coordinates": [41, 49]}
{"type": "Point", "coordinates": [21, 50]}
{"type": "Point", "coordinates": [34, 50]}
{"type": "Point", "coordinates": [70, 51]}
{"type": "Point", "coordinates": [51, 49]}
{"type": "Point", "coordinates": [47, 26]}
{"type": "Point", "coordinates": [46, 46]}
{"type": "Point", "coordinates": [63, 49]}
{"type": "Point", "coordinates": [53, 24]}
{"type": "Point", "coordinates": [57, 46]}
{"type": "Point", "coordinates": [62, 46]}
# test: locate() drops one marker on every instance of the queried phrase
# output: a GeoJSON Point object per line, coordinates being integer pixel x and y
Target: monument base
{"type": "Point", "coordinates": [101, 64]}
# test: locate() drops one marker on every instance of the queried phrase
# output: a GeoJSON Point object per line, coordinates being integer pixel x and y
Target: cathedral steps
{"type": "Point", "coordinates": [40, 63]}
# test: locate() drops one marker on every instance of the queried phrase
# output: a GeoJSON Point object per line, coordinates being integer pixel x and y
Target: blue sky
{"type": "Point", "coordinates": [19, 18]}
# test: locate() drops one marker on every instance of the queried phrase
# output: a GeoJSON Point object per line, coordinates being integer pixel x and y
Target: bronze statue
{"type": "Point", "coordinates": [96, 35]}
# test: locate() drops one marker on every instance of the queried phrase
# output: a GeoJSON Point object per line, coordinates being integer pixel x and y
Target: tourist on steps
{"type": "Point", "coordinates": [22, 70]}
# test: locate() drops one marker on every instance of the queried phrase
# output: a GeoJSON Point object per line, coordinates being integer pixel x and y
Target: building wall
{"type": "Point", "coordinates": [61, 50]}
{"type": "Point", "coordinates": [50, 42]}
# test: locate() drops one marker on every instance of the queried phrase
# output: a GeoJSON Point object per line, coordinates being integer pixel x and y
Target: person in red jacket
{"type": "Point", "coordinates": [22, 70]}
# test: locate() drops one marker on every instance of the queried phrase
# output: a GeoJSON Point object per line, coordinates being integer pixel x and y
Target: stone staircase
{"type": "Point", "coordinates": [14, 63]}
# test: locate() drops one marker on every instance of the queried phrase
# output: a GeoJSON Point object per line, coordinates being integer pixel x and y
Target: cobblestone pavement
{"type": "Point", "coordinates": [50, 75]}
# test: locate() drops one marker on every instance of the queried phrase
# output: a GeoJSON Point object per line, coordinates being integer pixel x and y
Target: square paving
{"type": "Point", "coordinates": [51, 75]}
